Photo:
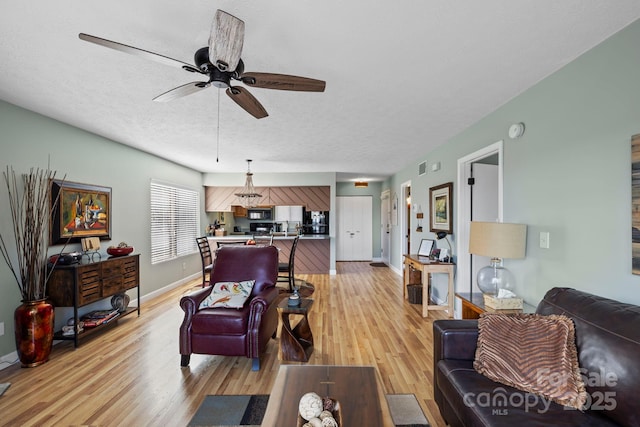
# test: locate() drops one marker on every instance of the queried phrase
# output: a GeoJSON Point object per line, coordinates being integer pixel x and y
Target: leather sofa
{"type": "Point", "coordinates": [608, 346]}
{"type": "Point", "coordinates": [244, 331]}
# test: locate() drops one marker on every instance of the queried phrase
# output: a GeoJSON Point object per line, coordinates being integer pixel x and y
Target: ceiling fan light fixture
{"type": "Point", "coordinates": [220, 60]}
{"type": "Point", "coordinates": [248, 196]}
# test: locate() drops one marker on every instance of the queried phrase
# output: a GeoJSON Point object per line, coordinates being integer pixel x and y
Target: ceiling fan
{"type": "Point", "coordinates": [221, 62]}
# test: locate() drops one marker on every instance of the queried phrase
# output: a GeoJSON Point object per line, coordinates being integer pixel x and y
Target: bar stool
{"type": "Point", "coordinates": [207, 259]}
{"type": "Point", "coordinates": [288, 267]}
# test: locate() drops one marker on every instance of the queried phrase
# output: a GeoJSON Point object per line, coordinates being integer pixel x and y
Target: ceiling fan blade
{"type": "Point", "coordinates": [283, 82]}
{"type": "Point", "coordinates": [248, 102]}
{"type": "Point", "coordinates": [226, 40]}
{"type": "Point", "coordinates": [180, 91]}
{"type": "Point", "coordinates": [139, 52]}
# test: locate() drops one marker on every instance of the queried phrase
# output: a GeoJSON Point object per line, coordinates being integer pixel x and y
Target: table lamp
{"type": "Point", "coordinates": [497, 240]}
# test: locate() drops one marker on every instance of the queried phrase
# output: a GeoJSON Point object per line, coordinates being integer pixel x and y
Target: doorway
{"type": "Point", "coordinates": [479, 195]}
{"type": "Point", "coordinates": [405, 218]}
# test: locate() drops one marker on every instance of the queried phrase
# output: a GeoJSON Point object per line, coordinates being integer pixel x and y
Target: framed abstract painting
{"type": "Point", "coordinates": [83, 210]}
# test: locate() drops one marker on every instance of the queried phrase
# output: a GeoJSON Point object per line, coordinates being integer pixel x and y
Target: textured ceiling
{"type": "Point", "coordinates": [402, 77]}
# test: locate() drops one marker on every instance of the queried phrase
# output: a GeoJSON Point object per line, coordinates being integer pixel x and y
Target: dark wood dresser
{"type": "Point", "coordinates": [77, 285]}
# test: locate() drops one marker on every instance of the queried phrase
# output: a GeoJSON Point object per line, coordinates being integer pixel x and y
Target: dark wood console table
{"type": "Point", "coordinates": [77, 285]}
{"type": "Point", "coordinates": [473, 306]}
{"type": "Point", "coordinates": [296, 344]}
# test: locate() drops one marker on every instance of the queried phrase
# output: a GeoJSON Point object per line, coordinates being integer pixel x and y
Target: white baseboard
{"type": "Point", "coordinates": [395, 270]}
{"type": "Point", "coordinates": [168, 288]}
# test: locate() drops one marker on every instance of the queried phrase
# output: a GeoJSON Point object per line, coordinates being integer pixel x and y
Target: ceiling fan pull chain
{"type": "Point", "coordinates": [218, 131]}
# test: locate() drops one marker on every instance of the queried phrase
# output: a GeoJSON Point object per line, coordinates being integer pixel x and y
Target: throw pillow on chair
{"type": "Point", "coordinates": [228, 295]}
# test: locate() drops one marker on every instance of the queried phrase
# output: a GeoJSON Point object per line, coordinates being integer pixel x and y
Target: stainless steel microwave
{"type": "Point", "coordinates": [259, 213]}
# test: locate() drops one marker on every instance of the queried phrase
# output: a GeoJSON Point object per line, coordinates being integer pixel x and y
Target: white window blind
{"type": "Point", "coordinates": [175, 221]}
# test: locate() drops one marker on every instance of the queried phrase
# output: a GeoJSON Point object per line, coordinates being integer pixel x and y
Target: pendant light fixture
{"type": "Point", "coordinates": [248, 196]}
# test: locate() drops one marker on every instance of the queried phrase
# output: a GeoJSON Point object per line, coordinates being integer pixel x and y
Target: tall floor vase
{"type": "Point", "coordinates": [34, 323]}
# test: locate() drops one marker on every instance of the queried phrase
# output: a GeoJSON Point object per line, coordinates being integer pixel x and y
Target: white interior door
{"type": "Point", "coordinates": [354, 238]}
{"type": "Point", "coordinates": [385, 226]}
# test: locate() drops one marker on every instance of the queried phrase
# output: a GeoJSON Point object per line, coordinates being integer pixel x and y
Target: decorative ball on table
{"type": "Point", "coordinates": [316, 411]}
{"type": "Point", "coordinates": [329, 422]}
{"type": "Point", "coordinates": [328, 404]}
{"type": "Point", "coordinates": [310, 406]}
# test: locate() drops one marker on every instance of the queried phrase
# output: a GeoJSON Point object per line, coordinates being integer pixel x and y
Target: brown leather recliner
{"type": "Point", "coordinates": [230, 331]}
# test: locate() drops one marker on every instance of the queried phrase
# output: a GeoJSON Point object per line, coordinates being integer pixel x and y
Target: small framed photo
{"type": "Point", "coordinates": [441, 208]}
{"type": "Point", "coordinates": [426, 246]}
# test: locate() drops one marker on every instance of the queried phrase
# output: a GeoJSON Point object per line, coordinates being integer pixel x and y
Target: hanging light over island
{"type": "Point", "coordinates": [248, 196]}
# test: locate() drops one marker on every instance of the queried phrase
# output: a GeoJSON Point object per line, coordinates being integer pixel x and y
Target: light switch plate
{"type": "Point", "coordinates": [544, 239]}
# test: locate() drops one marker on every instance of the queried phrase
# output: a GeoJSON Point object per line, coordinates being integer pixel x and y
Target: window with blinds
{"type": "Point", "coordinates": [175, 221]}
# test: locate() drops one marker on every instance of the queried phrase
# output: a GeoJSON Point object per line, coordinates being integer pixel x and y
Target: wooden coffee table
{"type": "Point", "coordinates": [357, 388]}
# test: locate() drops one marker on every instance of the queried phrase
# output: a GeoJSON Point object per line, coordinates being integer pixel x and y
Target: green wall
{"type": "Point", "coordinates": [29, 140]}
{"type": "Point", "coordinates": [568, 175]}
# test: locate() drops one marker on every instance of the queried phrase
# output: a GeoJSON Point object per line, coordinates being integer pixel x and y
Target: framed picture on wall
{"type": "Point", "coordinates": [83, 210]}
{"type": "Point", "coordinates": [441, 208]}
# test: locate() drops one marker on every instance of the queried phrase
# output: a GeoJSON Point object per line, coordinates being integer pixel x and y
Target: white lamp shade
{"type": "Point", "coordinates": [497, 239]}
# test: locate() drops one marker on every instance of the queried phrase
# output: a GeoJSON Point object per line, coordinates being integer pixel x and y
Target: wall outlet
{"type": "Point", "coordinates": [1, 329]}
{"type": "Point", "coordinates": [184, 266]}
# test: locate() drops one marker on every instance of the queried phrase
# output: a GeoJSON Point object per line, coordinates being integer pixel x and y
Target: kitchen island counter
{"type": "Point", "coordinates": [312, 252]}
{"type": "Point", "coordinates": [278, 236]}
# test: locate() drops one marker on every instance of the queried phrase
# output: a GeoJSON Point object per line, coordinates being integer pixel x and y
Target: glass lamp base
{"type": "Point", "coordinates": [494, 277]}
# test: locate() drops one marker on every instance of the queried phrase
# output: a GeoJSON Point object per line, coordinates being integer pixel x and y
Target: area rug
{"type": "Point", "coordinates": [405, 410]}
{"type": "Point", "coordinates": [235, 410]}
{"type": "Point", "coordinates": [248, 410]}
{"type": "Point", "coordinates": [378, 264]}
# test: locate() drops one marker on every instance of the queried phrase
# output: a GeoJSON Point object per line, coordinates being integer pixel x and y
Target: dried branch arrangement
{"type": "Point", "coordinates": [30, 205]}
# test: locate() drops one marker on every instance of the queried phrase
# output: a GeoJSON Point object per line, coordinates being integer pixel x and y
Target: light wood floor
{"type": "Point", "coordinates": [131, 375]}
